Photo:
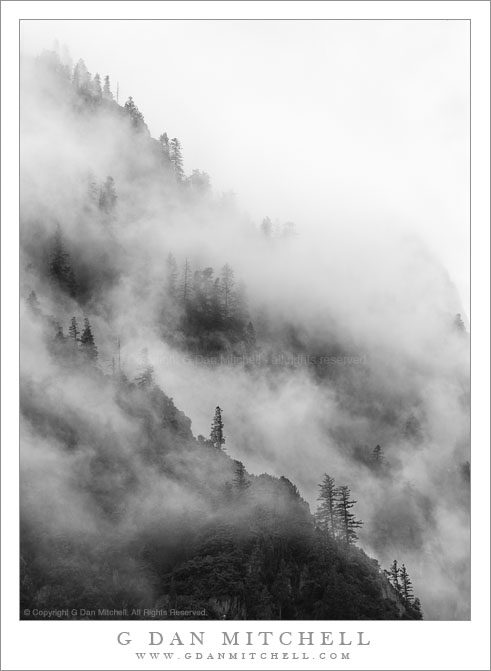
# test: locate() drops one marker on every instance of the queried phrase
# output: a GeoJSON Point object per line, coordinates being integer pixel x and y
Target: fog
{"type": "Point", "coordinates": [363, 278]}
{"type": "Point", "coordinates": [307, 121]}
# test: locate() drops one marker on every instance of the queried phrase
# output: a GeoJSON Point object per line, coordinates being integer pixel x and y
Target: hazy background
{"type": "Point", "coordinates": [317, 122]}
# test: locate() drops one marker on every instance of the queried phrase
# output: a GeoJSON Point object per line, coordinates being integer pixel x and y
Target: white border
{"type": "Point", "coordinates": [395, 645]}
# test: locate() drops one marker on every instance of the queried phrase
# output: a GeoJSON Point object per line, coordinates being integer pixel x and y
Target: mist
{"type": "Point", "coordinates": [356, 344]}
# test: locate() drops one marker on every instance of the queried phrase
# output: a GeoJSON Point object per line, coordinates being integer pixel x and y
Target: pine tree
{"type": "Point", "coordinates": [377, 457]}
{"type": "Point", "coordinates": [73, 331]}
{"type": "Point", "coordinates": [240, 482]}
{"type": "Point", "coordinates": [344, 518]}
{"type": "Point", "coordinates": [106, 91]}
{"type": "Point", "coordinates": [416, 606]}
{"type": "Point", "coordinates": [176, 158]}
{"type": "Point", "coordinates": [326, 514]}
{"type": "Point", "coordinates": [199, 181]}
{"type": "Point", "coordinates": [81, 78]}
{"type": "Point", "coordinates": [406, 585]}
{"type": "Point", "coordinates": [186, 283]}
{"type": "Point", "coordinates": [96, 86]}
{"type": "Point", "coordinates": [136, 116]}
{"type": "Point", "coordinates": [216, 436]}
{"type": "Point", "coordinates": [60, 336]}
{"type": "Point", "coordinates": [394, 575]}
{"type": "Point", "coordinates": [164, 143]}
{"type": "Point", "coordinates": [88, 346]}
{"type": "Point", "coordinates": [459, 323]}
{"type": "Point", "coordinates": [60, 270]}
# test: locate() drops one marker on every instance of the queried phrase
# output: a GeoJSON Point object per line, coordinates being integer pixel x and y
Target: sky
{"type": "Point", "coordinates": [347, 124]}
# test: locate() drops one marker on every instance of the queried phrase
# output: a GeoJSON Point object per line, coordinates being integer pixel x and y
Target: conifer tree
{"type": "Point", "coordinates": [326, 514]}
{"type": "Point", "coordinates": [96, 86]}
{"type": "Point", "coordinates": [88, 346]}
{"type": "Point", "coordinates": [60, 270]}
{"type": "Point", "coordinates": [106, 90]}
{"type": "Point", "coordinates": [394, 575]}
{"type": "Point", "coordinates": [199, 181]}
{"type": "Point", "coordinates": [73, 330]}
{"type": "Point", "coordinates": [60, 336]}
{"type": "Point", "coordinates": [377, 457]}
{"type": "Point", "coordinates": [406, 585]}
{"type": "Point", "coordinates": [250, 337]}
{"type": "Point", "coordinates": [135, 115]}
{"type": "Point", "coordinates": [459, 323]}
{"type": "Point", "coordinates": [346, 521]}
{"type": "Point", "coordinates": [164, 143]}
{"type": "Point", "coordinates": [240, 482]}
{"type": "Point", "coordinates": [186, 283]}
{"type": "Point", "coordinates": [81, 77]}
{"type": "Point", "coordinates": [216, 436]}
{"type": "Point", "coordinates": [176, 158]}
{"type": "Point", "coordinates": [416, 606]}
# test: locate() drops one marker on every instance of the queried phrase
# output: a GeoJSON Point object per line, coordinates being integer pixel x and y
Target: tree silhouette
{"type": "Point", "coordinates": [96, 86]}
{"type": "Point", "coordinates": [73, 330]}
{"type": "Point", "coordinates": [81, 77]}
{"type": "Point", "coordinates": [176, 158]}
{"type": "Point", "coordinates": [164, 143]}
{"type": "Point", "coordinates": [394, 575]}
{"type": "Point", "coordinates": [240, 482]}
{"type": "Point", "coordinates": [88, 346]}
{"type": "Point", "coordinates": [135, 115]}
{"type": "Point", "coordinates": [406, 585]}
{"type": "Point", "coordinates": [199, 181]}
{"type": "Point", "coordinates": [216, 436]}
{"type": "Point", "coordinates": [344, 518]}
{"type": "Point", "coordinates": [416, 606]}
{"type": "Point", "coordinates": [106, 90]}
{"type": "Point", "coordinates": [186, 282]}
{"type": "Point", "coordinates": [60, 270]}
{"type": "Point", "coordinates": [459, 323]}
{"type": "Point", "coordinates": [326, 512]}
{"type": "Point", "coordinates": [378, 457]}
